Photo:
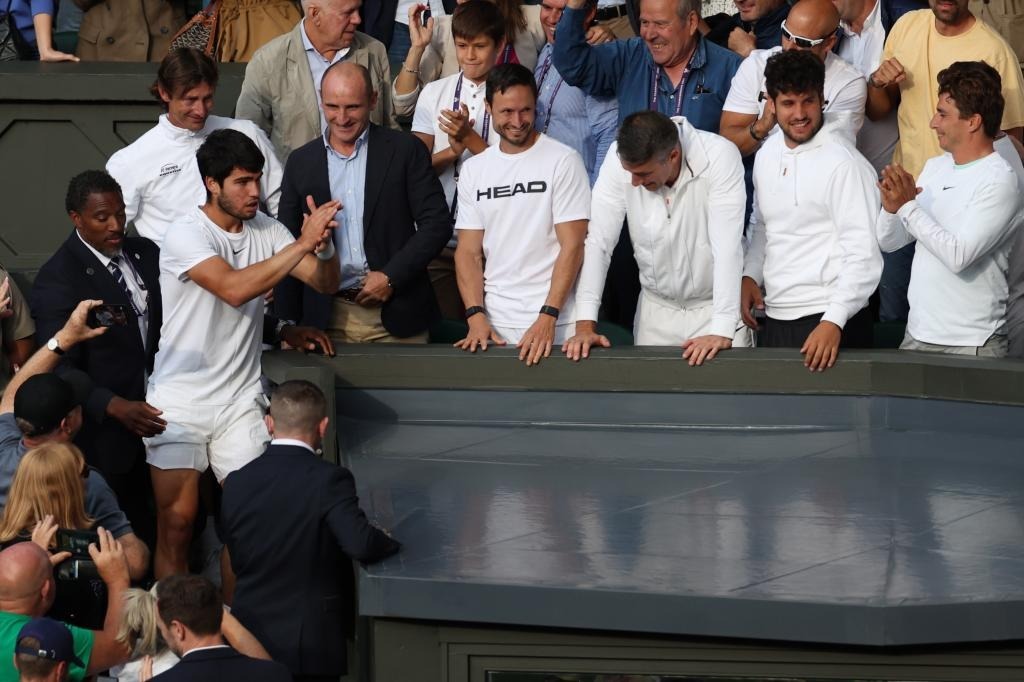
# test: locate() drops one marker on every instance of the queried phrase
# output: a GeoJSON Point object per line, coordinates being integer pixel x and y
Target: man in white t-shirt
{"type": "Point", "coordinates": [681, 191]}
{"type": "Point", "coordinates": [811, 239]}
{"type": "Point", "coordinates": [214, 265]}
{"type": "Point", "coordinates": [811, 26]}
{"type": "Point", "coordinates": [452, 121]}
{"type": "Point", "coordinates": [157, 173]}
{"type": "Point", "coordinates": [523, 211]}
{"type": "Point", "coordinates": [964, 211]}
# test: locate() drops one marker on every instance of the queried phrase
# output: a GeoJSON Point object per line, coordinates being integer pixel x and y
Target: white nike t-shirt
{"type": "Point", "coordinates": [517, 199]}
{"type": "Point", "coordinates": [210, 350]}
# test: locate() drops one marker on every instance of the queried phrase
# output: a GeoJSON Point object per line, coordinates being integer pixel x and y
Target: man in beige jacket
{"type": "Point", "coordinates": [281, 91]}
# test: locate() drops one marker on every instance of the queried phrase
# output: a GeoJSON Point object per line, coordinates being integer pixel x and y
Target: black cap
{"type": "Point", "coordinates": [45, 399]}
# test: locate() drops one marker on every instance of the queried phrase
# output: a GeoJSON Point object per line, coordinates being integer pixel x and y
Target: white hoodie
{"type": "Point", "coordinates": [811, 238]}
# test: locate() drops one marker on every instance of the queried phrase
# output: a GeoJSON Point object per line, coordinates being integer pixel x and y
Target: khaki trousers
{"type": "Point", "coordinates": [995, 347]}
{"type": "Point", "coordinates": [352, 323]}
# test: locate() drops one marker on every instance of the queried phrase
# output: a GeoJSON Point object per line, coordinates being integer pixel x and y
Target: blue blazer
{"type": "Point", "coordinates": [406, 223]}
{"type": "Point", "coordinates": [292, 526]}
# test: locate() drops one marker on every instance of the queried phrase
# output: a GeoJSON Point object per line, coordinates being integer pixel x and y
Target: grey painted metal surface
{"type": "Point", "coordinates": [865, 533]}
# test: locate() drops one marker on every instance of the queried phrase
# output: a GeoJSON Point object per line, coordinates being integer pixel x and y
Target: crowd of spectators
{"type": "Point", "coordinates": [709, 183]}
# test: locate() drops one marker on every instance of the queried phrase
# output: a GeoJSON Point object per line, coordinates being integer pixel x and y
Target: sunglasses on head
{"type": "Point", "coordinates": [801, 41]}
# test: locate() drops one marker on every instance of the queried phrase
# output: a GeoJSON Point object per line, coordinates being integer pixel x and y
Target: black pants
{"type": "Point", "coordinates": [858, 332]}
{"type": "Point", "coordinates": [622, 286]}
{"type": "Point", "coordinates": [316, 678]}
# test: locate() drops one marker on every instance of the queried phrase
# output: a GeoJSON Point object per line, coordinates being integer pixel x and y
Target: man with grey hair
{"type": "Point", "coordinates": [290, 498]}
{"type": "Point", "coordinates": [281, 90]}
{"type": "Point", "coordinates": [681, 191]}
{"type": "Point", "coordinates": [669, 68]}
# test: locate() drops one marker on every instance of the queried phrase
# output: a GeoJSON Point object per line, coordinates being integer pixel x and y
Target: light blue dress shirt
{"type": "Point", "coordinates": [347, 176]}
{"type": "Point", "coordinates": [574, 118]}
{"type": "Point", "coordinates": [318, 66]}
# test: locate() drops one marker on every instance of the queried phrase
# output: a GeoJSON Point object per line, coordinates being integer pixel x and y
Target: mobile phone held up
{"type": "Point", "coordinates": [108, 315]}
{"type": "Point", "coordinates": [425, 16]}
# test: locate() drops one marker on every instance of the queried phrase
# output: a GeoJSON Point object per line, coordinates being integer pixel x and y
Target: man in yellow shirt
{"type": "Point", "coordinates": [921, 44]}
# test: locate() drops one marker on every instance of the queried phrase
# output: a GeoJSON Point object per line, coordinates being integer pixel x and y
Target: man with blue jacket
{"type": "Point", "coordinates": [669, 68]}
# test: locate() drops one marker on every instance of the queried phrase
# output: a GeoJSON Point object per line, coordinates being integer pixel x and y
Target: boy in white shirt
{"type": "Point", "coordinates": [452, 121]}
{"type": "Point", "coordinates": [523, 210]}
{"type": "Point", "coordinates": [964, 211]}
{"type": "Point", "coordinates": [216, 262]}
{"type": "Point", "coordinates": [811, 235]}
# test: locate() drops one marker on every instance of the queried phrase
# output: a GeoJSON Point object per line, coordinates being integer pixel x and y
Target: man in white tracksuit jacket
{"type": "Point", "coordinates": [681, 191]}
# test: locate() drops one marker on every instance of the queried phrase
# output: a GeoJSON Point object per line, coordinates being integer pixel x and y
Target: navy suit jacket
{"type": "Point", "coordinates": [116, 362]}
{"type": "Point", "coordinates": [406, 223]}
{"type": "Point", "coordinates": [292, 524]}
{"type": "Point", "coordinates": [222, 665]}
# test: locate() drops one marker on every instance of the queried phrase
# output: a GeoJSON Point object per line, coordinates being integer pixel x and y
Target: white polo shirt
{"type": "Point", "coordinates": [964, 221]}
{"type": "Point", "coordinates": [159, 176]}
{"type": "Point", "coordinates": [517, 199]}
{"type": "Point", "coordinates": [845, 91]}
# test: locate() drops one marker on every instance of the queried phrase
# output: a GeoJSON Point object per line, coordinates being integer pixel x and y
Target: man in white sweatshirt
{"type": "Point", "coordinates": [964, 211]}
{"type": "Point", "coordinates": [682, 192]}
{"type": "Point", "coordinates": [158, 172]}
{"type": "Point", "coordinates": [811, 240]}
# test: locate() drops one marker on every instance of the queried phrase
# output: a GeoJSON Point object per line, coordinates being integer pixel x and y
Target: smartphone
{"type": "Point", "coordinates": [108, 315]}
{"type": "Point", "coordinates": [77, 569]}
{"type": "Point", "coordinates": [76, 541]}
{"type": "Point", "coordinates": [425, 17]}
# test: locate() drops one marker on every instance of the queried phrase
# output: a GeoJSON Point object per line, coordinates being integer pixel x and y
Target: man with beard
{"type": "Point", "coordinates": [215, 264]}
{"type": "Point", "coordinates": [921, 44]}
{"type": "Point", "coordinates": [811, 236]}
{"type": "Point", "coordinates": [524, 205]}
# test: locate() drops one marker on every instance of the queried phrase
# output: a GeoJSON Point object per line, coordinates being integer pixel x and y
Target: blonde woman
{"type": "Point", "coordinates": [50, 481]}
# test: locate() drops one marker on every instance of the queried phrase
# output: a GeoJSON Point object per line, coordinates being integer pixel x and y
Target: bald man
{"type": "Point", "coordinates": [811, 25]}
{"type": "Point", "coordinates": [27, 591]}
{"type": "Point", "coordinates": [392, 222]}
{"type": "Point", "coordinates": [280, 92]}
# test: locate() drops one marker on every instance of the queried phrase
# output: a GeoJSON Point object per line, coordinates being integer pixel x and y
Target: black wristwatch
{"type": "Point", "coordinates": [474, 310]}
{"type": "Point", "coordinates": [281, 324]}
{"type": "Point", "coordinates": [550, 310]}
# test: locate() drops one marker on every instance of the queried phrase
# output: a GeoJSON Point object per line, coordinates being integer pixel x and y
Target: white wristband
{"type": "Point", "coordinates": [328, 253]}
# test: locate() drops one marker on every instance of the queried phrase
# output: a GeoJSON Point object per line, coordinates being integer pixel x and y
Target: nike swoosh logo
{"type": "Point", "coordinates": [239, 251]}
{"type": "Point", "coordinates": [950, 187]}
